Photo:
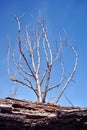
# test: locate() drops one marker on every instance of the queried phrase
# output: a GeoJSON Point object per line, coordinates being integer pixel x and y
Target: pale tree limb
{"type": "Point", "coordinates": [36, 70]}
{"type": "Point", "coordinates": [20, 48]}
{"type": "Point", "coordinates": [54, 86]}
{"type": "Point", "coordinates": [59, 51]}
{"type": "Point", "coordinates": [46, 39]}
{"type": "Point", "coordinates": [35, 74]}
{"type": "Point", "coordinates": [43, 76]}
{"type": "Point", "coordinates": [49, 63]}
{"type": "Point", "coordinates": [31, 51]}
{"type": "Point", "coordinates": [38, 36]}
{"type": "Point", "coordinates": [49, 67]}
{"type": "Point", "coordinates": [13, 77]}
{"type": "Point", "coordinates": [17, 67]}
{"type": "Point", "coordinates": [8, 55]}
{"type": "Point", "coordinates": [68, 100]}
{"type": "Point", "coordinates": [61, 80]}
{"type": "Point", "coordinates": [45, 52]}
{"type": "Point", "coordinates": [23, 69]}
{"type": "Point", "coordinates": [47, 82]}
{"type": "Point", "coordinates": [72, 73]}
{"type": "Point", "coordinates": [25, 78]}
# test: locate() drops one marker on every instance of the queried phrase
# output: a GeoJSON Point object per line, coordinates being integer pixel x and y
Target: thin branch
{"type": "Point", "coordinates": [59, 51]}
{"type": "Point", "coordinates": [47, 82]}
{"type": "Point", "coordinates": [19, 41]}
{"type": "Point", "coordinates": [25, 78]}
{"type": "Point", "coordinates": [8, 55]}
{"type": "Point", "coordinates": [13, 77]}
{"type": "Point", "coordinates": [22, 68]}
{"type": "Point", "coordinates": [61, 80]}
{"type": "Point", "coordinates": [30, 86]}
{"type": "Point", "coordinates": [68, 100]}
{"type": "Point", "coordinates": [23, 83]}
{"type": "Point", "coordinates": [46, 39]}
{"type": "Point", "coordinates": [19, 81]}
{"type": "Point", "coordinates": [72, 73]}
{"type": "Point", "coordinates": [38, 50]}
{"type": "Point", "coordinates": [43, 76]}
{"type": "Point", "coordinates": [45, 52]}
{"type": "Point", "coordinates": [30, 49]}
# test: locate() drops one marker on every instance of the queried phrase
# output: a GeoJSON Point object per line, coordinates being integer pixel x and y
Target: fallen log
{"type": "Point", "coordinates": [18, 114]}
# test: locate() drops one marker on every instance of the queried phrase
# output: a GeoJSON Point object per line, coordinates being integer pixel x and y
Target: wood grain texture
{"type": "Point", "coordinates": [18, 114]}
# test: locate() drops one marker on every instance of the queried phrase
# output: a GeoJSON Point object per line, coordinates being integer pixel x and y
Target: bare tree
{"type": "Point", "coordinates": [34, 61]}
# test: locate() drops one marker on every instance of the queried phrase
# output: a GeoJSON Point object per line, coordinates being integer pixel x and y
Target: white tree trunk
{"type": "Point", "coordinates": [38, 88]}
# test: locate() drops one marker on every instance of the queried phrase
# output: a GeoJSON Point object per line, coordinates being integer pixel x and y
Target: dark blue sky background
{"type": "Point", "coordinates": [58, 14]}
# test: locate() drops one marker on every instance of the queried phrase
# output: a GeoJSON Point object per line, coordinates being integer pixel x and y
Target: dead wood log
{"type": "Point", "coordinates": [26, 115]}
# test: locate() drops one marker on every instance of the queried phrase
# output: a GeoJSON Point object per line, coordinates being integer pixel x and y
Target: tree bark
{"type": "Point", "coordinates": [16, 114]}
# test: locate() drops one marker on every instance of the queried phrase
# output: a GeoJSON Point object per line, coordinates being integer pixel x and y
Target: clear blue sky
{"type": "Point", "coordinates": [58, 14]}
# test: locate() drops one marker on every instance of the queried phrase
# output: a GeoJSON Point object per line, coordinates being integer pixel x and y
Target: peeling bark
{"type": "Point", "coordinates": [18, 114]}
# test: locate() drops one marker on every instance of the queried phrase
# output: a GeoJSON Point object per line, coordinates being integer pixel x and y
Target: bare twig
{"type": "Point", "coordinates": [20, 48]}
{"type": "Point", "coordinates": [72, 73]}
{"type": "Point", "coordinates": [61, 80]}
{"type": "Point", "coordinates": [68, 100]}
{"type": "Point", "coordinates": [46, 39]}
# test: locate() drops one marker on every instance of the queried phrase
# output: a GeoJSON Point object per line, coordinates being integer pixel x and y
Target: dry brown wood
{"type": "Point", "coordinates": [18, 114]}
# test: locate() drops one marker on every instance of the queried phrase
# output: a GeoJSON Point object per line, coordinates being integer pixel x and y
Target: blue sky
{"type": "Point", "coordinates": [58, 14]}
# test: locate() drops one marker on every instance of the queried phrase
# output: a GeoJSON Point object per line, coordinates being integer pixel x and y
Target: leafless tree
{"type": "Point", "coordinates": [34, 61]}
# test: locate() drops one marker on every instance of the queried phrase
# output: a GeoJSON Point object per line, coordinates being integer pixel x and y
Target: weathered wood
{"type": "Point", "coordinates": [26, 115]}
